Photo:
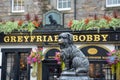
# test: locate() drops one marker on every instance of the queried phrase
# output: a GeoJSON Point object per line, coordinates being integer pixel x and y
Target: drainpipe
{"type": "Point", "coordinates": [75, 9]}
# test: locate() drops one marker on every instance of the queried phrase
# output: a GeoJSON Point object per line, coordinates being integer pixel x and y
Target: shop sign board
{"type": "Point", "coordinates": [53, 38]}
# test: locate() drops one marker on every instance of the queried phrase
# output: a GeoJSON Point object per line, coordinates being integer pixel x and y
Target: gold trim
{"type": "Point", "coordinates": [50, 49]}
{"type": "Point", "coordinates": [92, 51]}
{"type": "Point", "coordinates": [102, 46]}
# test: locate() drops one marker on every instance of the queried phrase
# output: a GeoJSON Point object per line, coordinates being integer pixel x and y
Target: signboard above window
{"type": "Point", "coordinates": [18, 6]}
{"type": "Point", "coordinates": [64, 5]}
{"type": "Point", "coordinates": [112, 3]}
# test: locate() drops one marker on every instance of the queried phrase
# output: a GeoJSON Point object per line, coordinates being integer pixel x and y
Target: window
{"type": "Point", "coordinates": [17, 5]}
{"type": "Point", "coordinates": [63, 4]}
{"type": "Point", "coordinates": [112, 3]}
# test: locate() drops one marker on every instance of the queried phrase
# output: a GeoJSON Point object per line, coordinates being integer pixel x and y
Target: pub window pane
{"type": "Point", "coordinates": [17, 5]}
{"type": "Point", "coordinates": [69, 3]}
{"type": "Point", "coordinates": [64, 4]}
{"type": "Point", "coordinates": [60, 5]}
{"type": "Point", "coordinates": [15, 64]}
{"type": "Point", "coordinates": [114, 1]}
{"type": "Point", "coordinates": [118, 1]}
{"type": "Point", "coordinates": [10, 65]}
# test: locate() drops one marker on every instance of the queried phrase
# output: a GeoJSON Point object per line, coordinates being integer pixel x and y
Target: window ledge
{"type": "Point", "coordinates": [16, 13]}
{"type": "Point", "coordinates": [64, 9]}
{"type": "Point", "coordinates": [112, 8]}
{"type": "Point", "coordinates": [117, 5]}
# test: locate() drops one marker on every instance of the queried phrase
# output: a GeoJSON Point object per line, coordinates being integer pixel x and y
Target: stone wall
{"type": "Point", "coordinates": [84, 8]}
{"type": "Point", "coordinates": [31, 6]}
{"type": "Point", "coordinates": [89, 7]}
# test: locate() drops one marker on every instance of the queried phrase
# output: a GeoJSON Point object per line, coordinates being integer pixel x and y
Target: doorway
{"type": "Point", "coordinates": [50, 69]}
{"type": "Point", "coordinates": [14, 64]}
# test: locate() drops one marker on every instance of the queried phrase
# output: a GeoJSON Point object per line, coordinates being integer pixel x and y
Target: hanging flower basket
{"type": "Point", "coordinates": [114, 62]}
{"type": "Point", "coordinates": [59, 60]}
{"type": "Point", "coordinates": [57, 57]}
{"type": "Point", "coordinates": [20, 25]}
{"type": "Point", "coordinates": [95, 23]}
{"type": "Point", "coordinates": [35, 58]}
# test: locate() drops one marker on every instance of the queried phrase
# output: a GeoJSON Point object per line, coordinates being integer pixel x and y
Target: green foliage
{"type": "Point", "coordinates": [92, 24]}
{"type": "Point", "coordinates": [9, 27]}
{"type": "Point", "coordinates": [114, 23]}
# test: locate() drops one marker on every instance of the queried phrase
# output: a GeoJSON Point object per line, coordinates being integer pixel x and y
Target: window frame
{"type": "Point", "coordinates": [62, 9]}
{"type": "Point", "coordinates": [112, 5]}
{"type": "Point", "coordinates": [17, 11]}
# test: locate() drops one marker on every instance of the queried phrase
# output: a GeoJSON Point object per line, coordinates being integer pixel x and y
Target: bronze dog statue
{"type": "Point", "coordinates": [73, 57]}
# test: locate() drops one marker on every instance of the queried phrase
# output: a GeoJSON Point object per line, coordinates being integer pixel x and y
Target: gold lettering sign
{"type": "Point", "coordinates": [20, 38]}
{"type": "Point", "coordinates": [6, 39]}
{"type": "Point", "coordinates": [54, 38]}
{"type": "Point", "coordinates": [82, 37]}
{"type": "Point", "coordinates": [97, 38]}
{"type": "Point", "coordinates": [13, 39]}
{"type": "Point", "coordinates": [89, 37]}
{"type": "Point", "coordinates": [104, 37]}
{"type": "Point", "coordinates": [26, 38]}
{"type": "Point", "coordinates": [39, 39]}
{"type": "Point", "coordinates": [50, 39]}
{"type": "Point", "coordinates": [75, 37]}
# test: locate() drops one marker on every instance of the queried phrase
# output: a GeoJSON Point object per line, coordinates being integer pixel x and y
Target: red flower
{"type": "Point", "coordinates": [87, 21]}
{"type": "Point", "coordinates": [36, 17]}
{"type": "Point", "coordinates": [20, 22]}
{"type": "Point", "coordinates": [27, 17]}
{"type": "Point", "coordinates": [36, 24]}
{"type": "Point", "coordinates": [95, 17]}
{"type": "Point", "coordinates": [107, 18]}
{"type": "Point", "coordinates": [70, 23]}
{"type": "Point", "coordinates": [115, 14]}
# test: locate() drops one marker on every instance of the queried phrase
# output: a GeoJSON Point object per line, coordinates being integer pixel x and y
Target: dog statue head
{"type": "Point", "coordinates": [65, 39]}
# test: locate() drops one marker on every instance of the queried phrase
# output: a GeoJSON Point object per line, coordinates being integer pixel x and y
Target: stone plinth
{"type": "Point", "coordinates": [67, 75]}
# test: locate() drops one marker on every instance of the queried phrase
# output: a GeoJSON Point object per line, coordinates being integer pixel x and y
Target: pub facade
{"type": "Point", "coordinates": [17, 47]}
{"type": "Point", "coordinates": [51, 20]}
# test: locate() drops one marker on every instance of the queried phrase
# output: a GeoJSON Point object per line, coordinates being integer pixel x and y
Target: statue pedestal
{"type": "Point", "coordinates": [70, 75]}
